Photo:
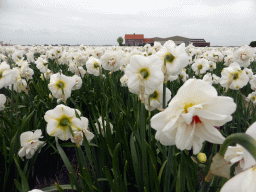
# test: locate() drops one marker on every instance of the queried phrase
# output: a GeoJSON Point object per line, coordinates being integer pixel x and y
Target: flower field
{"type": "Point", "coordinates": [155, 118]}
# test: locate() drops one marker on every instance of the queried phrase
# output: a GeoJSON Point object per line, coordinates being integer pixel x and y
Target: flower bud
{"type": "Point", "coordinates": [201, 157]}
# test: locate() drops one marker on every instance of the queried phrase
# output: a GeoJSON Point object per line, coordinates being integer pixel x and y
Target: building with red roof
{"type": "Point", "coordinates": [139, 40]}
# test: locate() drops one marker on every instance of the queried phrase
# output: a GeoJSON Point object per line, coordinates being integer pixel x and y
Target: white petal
{"type": "Point", "coordinates": [209, 133]}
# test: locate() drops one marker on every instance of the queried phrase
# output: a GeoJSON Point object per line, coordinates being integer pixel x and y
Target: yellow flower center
{"type": "Point", "coordinates": [155, 95]}
{"type": "Point", "coordinates": [235, 76]}
{"type": "Point", "coordinates": [169, 58]}
{"type": "Point", "coordinates": [64, 121]}
{"type": "Point", "coordinates": [199, 67]}
{"type": "Point", "coordinates": [1, 74]}
{"type": "Point", "coordinates": [60, 84]}
{"type": "Point", "coordinates": [144, 73]}
{"type": "Point", "coordinates": [95, 65]}
{"type": "Point", "coordinates": [188, 106]}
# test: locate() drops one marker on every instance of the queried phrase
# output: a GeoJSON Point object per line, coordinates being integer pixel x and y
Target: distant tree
{"type": "Point", "coordinates": [120, 40]}
{"type": "Point", "coordinates": [253, 44]}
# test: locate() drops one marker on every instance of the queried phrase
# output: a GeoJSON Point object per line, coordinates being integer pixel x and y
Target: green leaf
{"type": "Point", "coordinates": [53, 188]}
{"type": "Point", "coordinates": [59, 188]}
{"type": "Point", "coordinates": [66, 161]}
{"type": "Point", "coordinates": [18, 185]}
{"type": "Point", "coordinates": [25, 186]}
{"type": "Point", "coordinates": [161, 171]}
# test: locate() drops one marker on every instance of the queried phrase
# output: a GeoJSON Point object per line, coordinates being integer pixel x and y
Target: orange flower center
{"type": "Point", "coordinates": [196, 120]}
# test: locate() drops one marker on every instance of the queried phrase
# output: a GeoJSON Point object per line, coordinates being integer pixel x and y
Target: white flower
{"type": "Point", "coordinates": [30, 143]}
{"type": "Point", "coordinates": [248, 72]}
{"type": "Point", "coordinates": [228, 59]}
{"type": "Point", "coordinates": [93, 66]}
{"type": "Point", "coordinates": [61, 85]}
{"type": "Point", "coordinates": [2, 101]}
{"type": "Point", "coordinates": [78, 134]}
{"type": "Point", "coordinates": [191, 115]}
{"type": "Point", "coordinates": [252, 97]}
{"type": "Point", "coordinates": [146, 71]}
{"type": "Point", "coordinates": [20, 85]}
{"type": "Point", "coordinates": [42, 64]}
{"type": "Point", "coordinates": [78, 82]}
{"type": "Point", "coordinates": [111, 60]}
{"type": "Point", "coordinates": [5, 75]}
{"type": "Point", "coordinates": [212, 65]}
{"type": "Point", "coordinates": [156, 98]}
{"type": "Point", "coordinates": [124, 80]}
{"type": "Point", "coordinates": [59, 119]}
{"type": "Point", "coordinates": [243, 55]}
{"type": "Point", "coordinates": [176, 57]}
{"type": "Point", "coordinates": [101, 128]}
{"type": "Point", "coordinates": [215, 79]}
{"type": "Point", "coordinates": [239, 153]}
{"type": "Point", "coordinates": [208, 78]}
{"type": "Point", "coordinates": [200, 66]}
{"type": "Point", "coordinates": [253, 82]}
{"type": "Point", "coordinates": [243, 182]}
{"type": "Point", "coordinates": [233, 77]}
{"type": "Point", "coordinates": [36, 190]}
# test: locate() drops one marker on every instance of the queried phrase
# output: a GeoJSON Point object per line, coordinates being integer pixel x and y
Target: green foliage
{"type": "Point", "coordinates": [120, 41]}
{"type": "Point", "coordinates": [253, 44]}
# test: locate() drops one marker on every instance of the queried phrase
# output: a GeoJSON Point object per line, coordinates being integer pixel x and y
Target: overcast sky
{"type": "Point", "coordinates": [98, 22]}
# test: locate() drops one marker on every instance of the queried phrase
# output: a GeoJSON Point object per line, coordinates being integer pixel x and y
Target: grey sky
{"type": "Point", "coordinates": [97, 22]}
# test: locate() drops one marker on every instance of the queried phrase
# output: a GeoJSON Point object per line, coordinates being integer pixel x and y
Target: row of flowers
{"type": "Point", "coordinates": [191, 116]}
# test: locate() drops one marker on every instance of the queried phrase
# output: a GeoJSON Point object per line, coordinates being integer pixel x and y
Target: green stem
{"type": "Point", "coordinates": [241, 138]}
{"type": "Point", "coordinates": [164, 85]}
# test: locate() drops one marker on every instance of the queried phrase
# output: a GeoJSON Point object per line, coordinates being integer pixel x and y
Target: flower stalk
{"type": "Point", "coordinates": [165, 81]}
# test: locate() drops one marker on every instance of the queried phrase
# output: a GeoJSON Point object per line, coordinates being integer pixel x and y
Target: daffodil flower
{"type": "Point", "coordinates": [60, 120]}
{"type": "Point", "coordinates": [191, 115]}
{"type": "Point", "coordinates": [30, 143]}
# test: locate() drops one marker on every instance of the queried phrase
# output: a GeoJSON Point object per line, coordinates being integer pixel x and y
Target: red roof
{"type": "Point", "coordinates": [134, 36]}
{"type": "Point", "coordinates": [148, 40]}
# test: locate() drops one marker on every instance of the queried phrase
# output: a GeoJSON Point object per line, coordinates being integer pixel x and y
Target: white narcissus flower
{"type": "Point", "coordinates": [243, 182]}
{"type": "Point", "coordinates": [78, 83]}
{"type": "Point", "coordinates": [183, 76]}
{"type": "Point", "coordinates": [191, 115]}
{"type": "Point", "coordinates": [78, 134]}
{"type": "Point", "coordinates": [103, 126]}
{"type": "Point", "coordinates": [239, 153]}
{"type": "Point", "coordinates": [146, 71]}
{"type": "Point", "coordinates": [215, 79]}
{"type": "Point", "coordinates": [200, 66]}
{"type": "Point", "coordinates": [30, 143]}
{"type": "Point", "coordinates": [36, 190]}
{"type": "Point", "coordinates": [252, 97]}
{"type": "Point", "coordinates": [5, 74]}
{"type": "Point", "coordinates": [212, 65]}
{"type": "Point", "coordinates": [248, 72]}
{"type": "Point", "coordinates": [112, 60]}
{"type": "Point", "coordinates": [176, 57]}
{"type": "Point", "coordinates": [243, 55]}
{"type": "Point", "coordinates": [228, 59]}
{"type": "Point", "coordinates": [124, 80]}
{"type": "Point", "coordinates": [2, 101]}
{"type": "Point", "coordinates": [61, 82]}
{"type": "Point", "coordinates": [93, 66]}
{"type": "Point", "coordinates": [208, 78]}
{"type": "Point", "coordinates": [42, 64]}
{"type": "Point", "coordinates": [59, 119]}
{"type": "Point", "coordinates": [233, 77]}
{"type": "Point", "coordinates": [156, 98]}
{"type": "Point", "coordinates": [253, 82]}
